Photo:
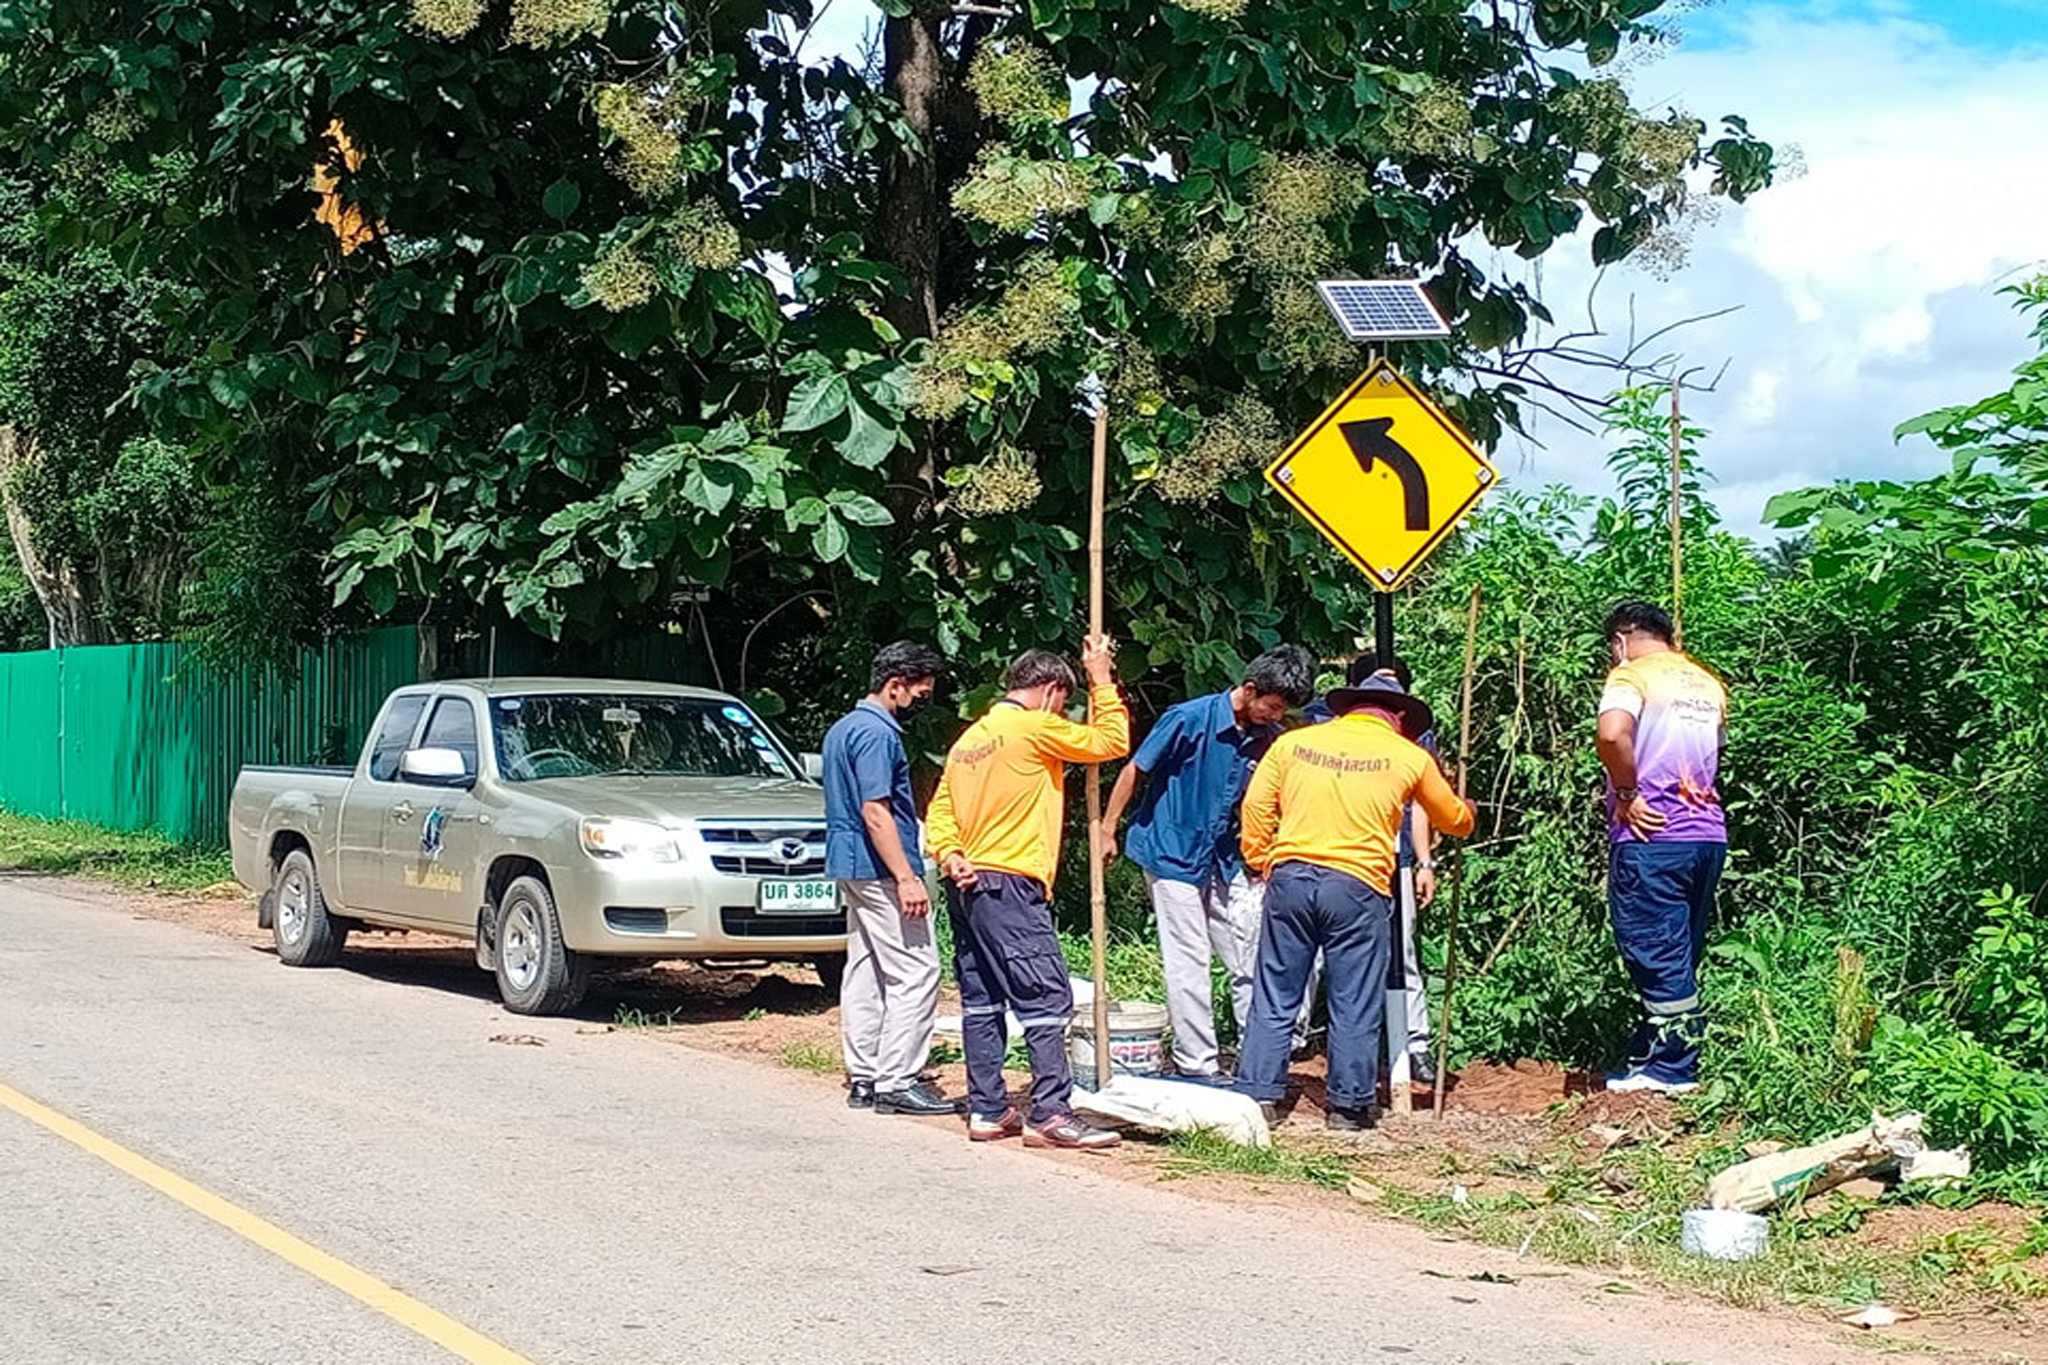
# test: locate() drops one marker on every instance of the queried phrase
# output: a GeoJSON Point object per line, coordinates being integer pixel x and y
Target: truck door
{"type": "Point", "coordinates": [359, 879]}
{"type": "Point", "coordinates": [433, 841]}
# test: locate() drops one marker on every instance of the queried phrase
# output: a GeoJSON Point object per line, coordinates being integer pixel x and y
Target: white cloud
{"type": "Point", "coordinates": [1866, 285]}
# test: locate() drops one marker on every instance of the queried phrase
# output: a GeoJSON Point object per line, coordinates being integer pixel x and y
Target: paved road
{"type": "Point", "coordinates": [618, 1199]}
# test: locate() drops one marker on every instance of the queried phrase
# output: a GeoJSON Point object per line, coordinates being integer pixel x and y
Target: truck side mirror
{"type": "Point", "coordinates": [435, 768]}
{"type": "Point", "coordinates": [814, 767]}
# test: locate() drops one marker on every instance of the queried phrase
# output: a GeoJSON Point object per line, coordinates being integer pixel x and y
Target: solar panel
{"type": "Point", "coordinates": [1382, 310]}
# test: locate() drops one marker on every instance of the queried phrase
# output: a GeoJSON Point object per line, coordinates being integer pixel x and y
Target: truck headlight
{"type": "Point", "coordinates": [637, 840]}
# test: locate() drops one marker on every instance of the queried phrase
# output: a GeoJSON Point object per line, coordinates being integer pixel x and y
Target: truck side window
{"type": "Point", "coordinates": [453, 726]}
{"type": "Point", "coordinates": [394, 737]}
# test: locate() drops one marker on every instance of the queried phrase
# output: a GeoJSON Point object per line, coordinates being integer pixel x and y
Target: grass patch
{"type": "Point", "coordinates": [72, 847]}
{"type": "Point", "coordinates": [1204, 1153]}
{"type": "Point", "coordinates": [1619, 1214]}
{"type": "Point", "coordinates": [810, 1057]}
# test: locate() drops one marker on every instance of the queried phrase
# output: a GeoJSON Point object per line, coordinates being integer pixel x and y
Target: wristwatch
{"type": "Point", "coordinates": [1425, 865]}
{"type": "Point", "coordinates": [1624, 796]}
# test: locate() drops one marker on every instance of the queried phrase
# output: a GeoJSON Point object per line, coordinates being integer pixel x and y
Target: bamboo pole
{"type": "Point", "coordinates": [1677, 516]}
{"type": "Point", "coordinates": [1443, 1035]}
{"type": "Point", "coordinates": [1098, 893]}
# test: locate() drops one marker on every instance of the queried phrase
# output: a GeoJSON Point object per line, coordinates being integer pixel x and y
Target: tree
{"type": "Point", "coordinates": [657, 296]}
{"type": "Point", "coordinates": [98, 510]}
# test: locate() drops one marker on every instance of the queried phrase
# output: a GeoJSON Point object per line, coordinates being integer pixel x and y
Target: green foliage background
{"type": "Point", "coordinates": [655, 320]}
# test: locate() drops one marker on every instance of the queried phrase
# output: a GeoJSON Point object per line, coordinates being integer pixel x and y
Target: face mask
{"type": "Point", "coordinates": [913, 707]}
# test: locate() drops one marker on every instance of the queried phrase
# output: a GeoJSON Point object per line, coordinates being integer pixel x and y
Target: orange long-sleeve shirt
{"type": "Point", "coordinates": [1333, 794]}
{"type": "Point", "coordinates": [1000, 801]}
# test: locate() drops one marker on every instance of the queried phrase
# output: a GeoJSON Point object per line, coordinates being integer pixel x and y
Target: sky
{"type": "Point", "coordinates": [1863, 286]}
{"type": "Point", "coordinates": [1866, 285]}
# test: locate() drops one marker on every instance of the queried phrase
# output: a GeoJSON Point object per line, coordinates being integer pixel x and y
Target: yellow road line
{"type": "Point", "coordinates": [403, 1309]}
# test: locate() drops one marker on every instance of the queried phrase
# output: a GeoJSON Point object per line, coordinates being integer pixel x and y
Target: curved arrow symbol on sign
{"type": "Point", "coordinates": [1370, 442]}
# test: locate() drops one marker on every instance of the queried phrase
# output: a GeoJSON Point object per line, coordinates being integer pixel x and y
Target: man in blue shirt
{"type": "Point", "coordinates": [890, 996]}
{"type": "Point", "coordinates": [1193, 767]}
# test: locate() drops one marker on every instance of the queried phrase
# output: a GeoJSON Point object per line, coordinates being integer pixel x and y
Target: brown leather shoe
{"type": "Point", "coordinates": [1070, 1131]}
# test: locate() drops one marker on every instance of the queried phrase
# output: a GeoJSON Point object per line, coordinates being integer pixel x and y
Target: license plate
{"type": "Point", "coordinates": [799, 898]}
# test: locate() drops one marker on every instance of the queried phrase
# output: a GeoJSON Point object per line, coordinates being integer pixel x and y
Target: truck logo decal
{"type": "Point", "coordinates": [430, 833]}
{"type": "Point", "coordinates": [433, 879]}
{"type": "Point", "coordinates": [790, 852]}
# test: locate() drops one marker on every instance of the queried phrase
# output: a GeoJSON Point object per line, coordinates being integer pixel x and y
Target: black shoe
{"type": "Point", "coordinates": [860, 1094]}
{"type": "Point", "coordinates": [920, 1099]}
{"type": "Point", "coordinates": [1421, 1068]}
{"type": "Point", "coordinates": [1350, 1120]}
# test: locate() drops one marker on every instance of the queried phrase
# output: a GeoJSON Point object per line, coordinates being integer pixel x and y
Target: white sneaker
{"type": "Point", "coordinates": [1643, 1080]}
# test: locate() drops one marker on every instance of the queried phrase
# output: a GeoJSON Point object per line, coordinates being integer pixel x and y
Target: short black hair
{"type": "Point", "coordinates": [1647, 617]}
{"type": "Point", "coordinates": [1036, 668]}
{"type": "Point", "coordinates": [1365, 665]}
{"type": "Point", "coordinates": [906, 659]}
{"type": "Point", "coordinates": [1286, 671]}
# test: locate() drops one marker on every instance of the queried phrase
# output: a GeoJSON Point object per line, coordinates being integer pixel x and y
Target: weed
{"type": "Point", "coordinates": [73, 847]}
{"type": "Point", "coordinates": [944, 1053]}
{"type": "Point", "coordinates": [755, 1015]}
{"type": "Point", "coordinates": [628, 1017]}
{"type": "Point", "coordinates": [810, 1057]}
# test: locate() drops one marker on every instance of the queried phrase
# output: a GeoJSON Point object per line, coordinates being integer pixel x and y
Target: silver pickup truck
{"type": "Point", "coordinates": [554, 822]}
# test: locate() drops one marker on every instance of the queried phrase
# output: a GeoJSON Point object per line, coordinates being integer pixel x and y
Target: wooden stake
{"type": "Point", "coordinates": [1098, 892]}
{"type": "Point", "coordinates": [1443, 1035]}
{"type": "Point", "coordinates": [1677, 517]}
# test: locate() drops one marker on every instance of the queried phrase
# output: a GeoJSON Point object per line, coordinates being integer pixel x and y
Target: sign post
{"type": "Point", "coordinates": [1386, 476]}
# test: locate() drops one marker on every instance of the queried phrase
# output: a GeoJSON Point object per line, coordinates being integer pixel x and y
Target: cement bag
{"type": "Point", "coordinates": [1177, 1107]}
{"type": "Point", "coordinates": [1801, 1172]}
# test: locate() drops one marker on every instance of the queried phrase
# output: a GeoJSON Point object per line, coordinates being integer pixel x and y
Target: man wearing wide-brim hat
{"type": "Point", "coordinates": [1322, 821]}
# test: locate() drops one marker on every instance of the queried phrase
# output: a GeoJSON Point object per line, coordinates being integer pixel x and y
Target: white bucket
{"type": "Point", "coordinates": [1137, 1041]}
{"type": "Point", "coordinates": [1723, 1234]}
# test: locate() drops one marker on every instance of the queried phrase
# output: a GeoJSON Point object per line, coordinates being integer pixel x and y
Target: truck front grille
{"type": "Point", "coordinates": [762, 835]}
{"type": "Point", "coordinates": [738, 865]}
{"type": "Point", "coordinates": [769, 849]}
{"type": "Point", "coordinates": [743, 921]}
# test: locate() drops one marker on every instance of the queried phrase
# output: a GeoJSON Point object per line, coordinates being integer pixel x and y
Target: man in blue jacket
{"type": "Point", "coordinates": [890, 996]}
{"type": "Point", "coordinates": [1193, 768]}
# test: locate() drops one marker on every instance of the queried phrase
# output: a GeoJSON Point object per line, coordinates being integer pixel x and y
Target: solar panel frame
{"type": "Point", "coordinates": [1382, 310]}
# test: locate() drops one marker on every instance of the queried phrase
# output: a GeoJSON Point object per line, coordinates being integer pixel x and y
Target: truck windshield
{"type": "Point", "coordinates": [594, 734]}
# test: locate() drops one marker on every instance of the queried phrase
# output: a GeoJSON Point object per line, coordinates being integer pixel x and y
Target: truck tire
{"type": "Point", "coordinates": [305, 934]}
{"type": "Point", "coordinates": [537, 972]}
{"type": "Point", "coordinates": [831, 972]}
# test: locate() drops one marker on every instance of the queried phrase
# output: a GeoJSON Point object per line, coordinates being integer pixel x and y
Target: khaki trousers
{"type": "Point", "coordinates": [890, 995]}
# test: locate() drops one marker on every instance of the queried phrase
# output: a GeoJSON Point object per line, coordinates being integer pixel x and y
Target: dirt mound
{"type": "Point", "coordinates": [1524, 1088]}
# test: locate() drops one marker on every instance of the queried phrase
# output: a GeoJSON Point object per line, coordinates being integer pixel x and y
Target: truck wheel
{"type": "Point", "coordinates": [537, 972]}
{"type": "Point", "coordinates": [306, 935]}
{"type": "Point", "coordinates": [831, 972]}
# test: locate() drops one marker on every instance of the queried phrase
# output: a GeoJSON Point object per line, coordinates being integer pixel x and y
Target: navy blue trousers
{"type": "Point", "coordinates": [1661, 897]}
{"type": "Point", "coordinates": [1309, 908]}
{"type": "Point", "coordinates": [1006, 956]}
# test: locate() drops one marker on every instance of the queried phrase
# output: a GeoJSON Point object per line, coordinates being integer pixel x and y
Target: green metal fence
{"type": "Point", "coordinates": [146, 737]}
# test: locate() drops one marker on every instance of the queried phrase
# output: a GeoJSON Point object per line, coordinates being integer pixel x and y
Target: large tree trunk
{"type": "Point", "coordinates": [916, 193]}
{"type": "Point", "coordinates": [914, 66]}
{"type": "Point", "coordinates": [66, 602]}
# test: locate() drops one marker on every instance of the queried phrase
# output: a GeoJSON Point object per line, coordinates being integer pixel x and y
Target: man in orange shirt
{"type": "Point", "coordinates": [994, 826]}
{"type": "Point", "coordinates": [1321, 822]}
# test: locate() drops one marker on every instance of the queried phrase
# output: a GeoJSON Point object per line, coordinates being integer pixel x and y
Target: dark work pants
{"type": "Point", "coordinates": [1005, 955]}
{"type": "Point", "coordinates": [1307, 908]}
{"type": "Point", "coordinates": [1661, 896]}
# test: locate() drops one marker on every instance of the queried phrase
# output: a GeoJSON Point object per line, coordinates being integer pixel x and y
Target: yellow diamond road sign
{"type": "Point", "coordinates": [1384, 474]}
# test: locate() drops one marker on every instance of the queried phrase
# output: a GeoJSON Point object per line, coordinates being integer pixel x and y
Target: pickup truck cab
{"type": "Point", "coordinates": [556, 822]}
